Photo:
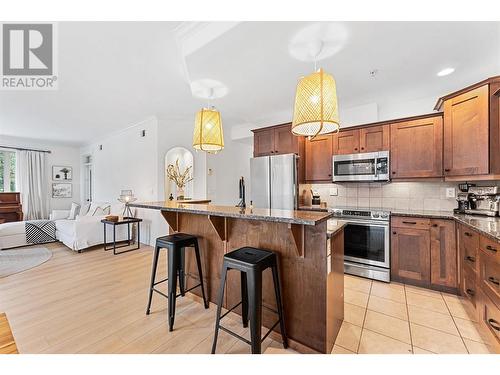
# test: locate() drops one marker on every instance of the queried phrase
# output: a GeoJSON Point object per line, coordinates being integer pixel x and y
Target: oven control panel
{"type": "Point", "coordinates": [362, 214]}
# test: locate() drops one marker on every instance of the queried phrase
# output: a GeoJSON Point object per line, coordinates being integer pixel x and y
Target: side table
{"type": "Point", "coordinates": [122, 221]}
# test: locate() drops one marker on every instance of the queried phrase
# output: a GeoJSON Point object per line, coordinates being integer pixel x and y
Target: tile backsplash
{"type": "Point", "coordinates": [394, 195]}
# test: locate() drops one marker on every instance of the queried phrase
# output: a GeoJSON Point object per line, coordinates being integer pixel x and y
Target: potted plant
{"type": "Point", "coordinates": [179, 178]}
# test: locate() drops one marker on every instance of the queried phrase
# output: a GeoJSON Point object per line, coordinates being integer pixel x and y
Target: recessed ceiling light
{"type": "Point", "coordinates": [445, 72]}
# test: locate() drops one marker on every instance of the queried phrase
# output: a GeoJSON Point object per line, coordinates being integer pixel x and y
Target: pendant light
{"type": "Point", "coordinates": [316, 110]}
{"type": "Point", "coordinates": [208, 135]}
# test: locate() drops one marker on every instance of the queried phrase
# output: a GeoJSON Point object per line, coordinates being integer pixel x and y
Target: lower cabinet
{"type": "Point", "coordinates": [424, 252]}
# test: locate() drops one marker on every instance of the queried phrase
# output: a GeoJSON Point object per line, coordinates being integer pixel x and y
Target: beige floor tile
{"type": "Point", "coordinates": [340, 350]}
{"type": "Point", "coordinates": [426, 302]}
{"type": "Point", "coordinates": [277, 348]}
{"type": "Point", "coordinates": [387, 325]}
{"type": "Point", "coordinates": [417, 350]}
{"type": "Point", "coordinates": [354, 314]}
{"type": "Point", "coordinates": [462, 309]}
{"type": "Point", "coordinates": [349, 336]}
{"type": "Point", "coordinates": [436, 341]}
{"type": "Point", "coordinates": [356, 298]}
{"type": "Point", "coordinates": [471, 330]}
{"type": "Point", "coordinates": [374, 343]}
{"type": "Point", "coordinates": [358, 284]}
{"type": "Point", "coordinates": [432, 319]}
{"type": "Point", "coordinates": [475, 347]}
{"type": "Point", "coordinates": [394, 292]}
{"type": "Point", "coordinates": [423, 291]}
{"type": "Point", "coordinates": [451, 297]}
{"type": "Point", "coordinates": [388, 307]}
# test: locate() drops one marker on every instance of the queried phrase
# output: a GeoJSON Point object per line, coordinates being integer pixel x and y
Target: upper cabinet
{"type": "Point", "coordinates": [374, 138]}
{"type": "Point", "coordinates": [472, 131]}
{"type": "Point", "coordinates": [275, 140]}
{"type": "Point", "coordinates": [318, 165]}
{"type": "Point", "coordinates": [368, 139]}
{"type": "Point", "coordinates": [417, 148]}
{"type": "Point", "coordinates": [346, 142]}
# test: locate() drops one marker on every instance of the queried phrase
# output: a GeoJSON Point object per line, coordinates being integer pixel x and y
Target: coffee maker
{"type": "Point", "coordinates": [463, 203]}
{"type": "Point", "coordinates": [484, 200]}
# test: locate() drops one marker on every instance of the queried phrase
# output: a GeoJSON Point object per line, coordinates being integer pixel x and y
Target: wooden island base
{"type": "Point", "coordinates": [312, 290]}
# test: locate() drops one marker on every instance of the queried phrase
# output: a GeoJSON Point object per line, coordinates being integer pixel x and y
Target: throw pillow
{"type": "Point", "coordinates": [75, 208]}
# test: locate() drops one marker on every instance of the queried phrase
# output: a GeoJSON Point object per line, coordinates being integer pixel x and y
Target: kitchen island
{"type": "Point", "coordinates": [310, 263]}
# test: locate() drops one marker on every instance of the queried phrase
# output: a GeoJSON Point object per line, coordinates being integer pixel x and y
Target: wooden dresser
{"type": "Point", "coordinates": [10, 207]}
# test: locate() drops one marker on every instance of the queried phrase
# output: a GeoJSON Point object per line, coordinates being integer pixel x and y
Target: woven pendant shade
{"type": "Point", "coordinates": [316, 110]}
{"type": "Point", "coordinates": [208, 134]}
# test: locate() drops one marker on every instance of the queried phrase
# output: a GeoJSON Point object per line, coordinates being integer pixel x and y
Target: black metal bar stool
{"type": "Point", "coordinates": [175, 245]}
{"type": "Point", "coordinates": [251, 262]}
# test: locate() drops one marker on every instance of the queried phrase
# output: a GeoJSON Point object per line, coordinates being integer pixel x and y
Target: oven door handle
{"type": "Point", "coordinates": [371, 223]}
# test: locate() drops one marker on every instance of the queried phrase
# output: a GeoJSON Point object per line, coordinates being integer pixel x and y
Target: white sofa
{"type": "Point", "coordinates": [77, 234]}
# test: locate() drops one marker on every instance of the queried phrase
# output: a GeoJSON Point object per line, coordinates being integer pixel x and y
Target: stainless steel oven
{"type": "Point", "coordinates": [369, 166]}
{"type": "Point", "coordinates": [366, 242]}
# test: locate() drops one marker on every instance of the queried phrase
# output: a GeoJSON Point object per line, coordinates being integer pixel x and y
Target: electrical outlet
{"type": "Point", "coordinates": [334, 191]}
{"type": "Point", "coordinates": [450, 193]}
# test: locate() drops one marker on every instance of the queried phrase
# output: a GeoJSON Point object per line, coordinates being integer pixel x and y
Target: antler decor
{"type": "Point", "coordinates": [174, 174]}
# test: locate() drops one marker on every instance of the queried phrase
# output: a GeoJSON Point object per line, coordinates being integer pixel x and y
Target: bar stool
{"type": "Point", "coordinates": [251, 262]}
{"type": "Point", "coordinates": [175, 244]}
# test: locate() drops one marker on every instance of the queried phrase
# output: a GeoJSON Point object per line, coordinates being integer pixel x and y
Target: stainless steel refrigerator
{"type": "Point", "coordinates": [274, 182]}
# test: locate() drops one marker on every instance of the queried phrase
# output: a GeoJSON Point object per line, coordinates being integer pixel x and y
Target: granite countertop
{"type": "Point", "coordinates": [313, 208]}
{"type": "Point", "coordinates": [333, 226]}
{"type": "Point", "coordinates": [281, 216]}
{"type": "Point", "coordinates": [433, 214]}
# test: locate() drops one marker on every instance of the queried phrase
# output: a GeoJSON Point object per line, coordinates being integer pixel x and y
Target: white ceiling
{"type": "Point", "coordinates": [112, 75]}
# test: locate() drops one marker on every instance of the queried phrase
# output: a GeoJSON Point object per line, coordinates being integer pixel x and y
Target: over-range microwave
{"type": "Point", "coordinates": [368, 166]}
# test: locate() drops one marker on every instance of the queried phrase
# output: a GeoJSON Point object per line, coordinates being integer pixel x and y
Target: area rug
{"type": "Point", "coordinates": [22, 259]}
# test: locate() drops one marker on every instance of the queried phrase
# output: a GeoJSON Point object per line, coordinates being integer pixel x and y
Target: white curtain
{"type": "Point", "coordinates": [32, 183]}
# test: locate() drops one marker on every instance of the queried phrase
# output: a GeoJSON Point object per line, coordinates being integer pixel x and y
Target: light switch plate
{"type": "Point", "coordinates": [450, 192]}
{"type": "Point", "coordinates": [334, 191]}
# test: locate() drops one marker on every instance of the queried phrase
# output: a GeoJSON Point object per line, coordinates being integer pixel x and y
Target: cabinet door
{"type": "Point", "coordinates": [410, 256]}
{"type": "Point", "coordinates": [346, 142]}
{"type": "Point", "coordinates": [374, 138]}
{"type": "Point", "coordinates": [466, 133]}
{"type": "Point", "coordinates": [319, 158]}
{"type": "Point", "coordinates": [284, 141]}
{"type": "Point", "coordinates": [417, 148]}
{"type": "Point", "coordinates": [443, 254]}
{"type": "Point", "coordinates": [263, 142]}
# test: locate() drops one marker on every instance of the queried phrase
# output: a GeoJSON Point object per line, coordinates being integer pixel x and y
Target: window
{"type": "Point", "coordinates": [7, 171]}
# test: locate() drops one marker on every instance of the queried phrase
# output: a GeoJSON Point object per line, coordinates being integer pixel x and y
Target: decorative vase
{"type": "Point", "coordinates": [180, 193]}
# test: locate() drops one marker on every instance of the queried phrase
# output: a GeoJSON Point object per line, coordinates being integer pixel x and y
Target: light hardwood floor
{"type": "Point", "coordinates": [94, 302]}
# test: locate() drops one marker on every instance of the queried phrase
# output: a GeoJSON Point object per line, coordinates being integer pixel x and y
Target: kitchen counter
{"type": "Point", "coordinates": [280, 216]}
{"type": "Point", "coordinates": [433, 214]}
{"type": "Point", "coordinates": [334, 226]}
{"type": "Point", "coordinates": [300, 239]}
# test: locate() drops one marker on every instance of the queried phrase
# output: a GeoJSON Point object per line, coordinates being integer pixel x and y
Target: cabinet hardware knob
{"type": "Point", "coordinates": [434, 225]}
{"type": "Point", "coordinates": [491, 248]}
{"type": "Point", "coordinates": [393, 172]}
{"type": "Point", "coordinates": [494, 324]}
{"type": "Point", "coordinates": [394, 233]}
{"type": "Point", "coordinates": [468, 234]}
{"type": "Point", "coordinates": [329, 175]}
{"type": "Point", "coordinates": [470, 292]}
{"type": "Point", "coordinates": [276, 151]}
{"type": "Point", "coordinates": [447, 170]}
{"type": "Point", "coordinates": [355, 149]}
{"type": "Point", "coordinates": [470, 259]}
{"type": "Point", "coordinates": [362, 148]}
{"type": "Point", "coordinates": [410, 222]}
{"type": "Point", "coordinates": [492, 280]}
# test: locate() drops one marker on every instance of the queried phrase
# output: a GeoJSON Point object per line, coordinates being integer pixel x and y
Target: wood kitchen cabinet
{"type": "Point", "coordinates": [275, 140]}
{"type": "Point", "coordinates": [443, 254]}
{"type": "Point", "coordinates": [424, 252]}
{"type": "Point", "coordinates": [417, 148]}
{"type": "Point", "coordinates": [366, 139]}
{"type": "Point", "coordinates": [472, 131]}
{"type": "Point", "coordinates": [318, 163]}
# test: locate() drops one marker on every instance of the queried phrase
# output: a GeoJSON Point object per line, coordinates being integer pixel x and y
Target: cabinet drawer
{"type": "Point", "coordinates": [469, 247]}
{"type": "Point", "coordinates": [469, 287]}
{"type": "Point", "coordinates": [410, 222]}
{"type": "Point", "coordinates": [490, 319]}
{"type": "Point", "coordinates": [490, 247]}
{"type": "Point", "coordinates": [489, 277]}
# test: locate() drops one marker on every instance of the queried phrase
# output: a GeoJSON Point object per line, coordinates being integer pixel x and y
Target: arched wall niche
{"type": "Point", "coordinates": [186, 159]}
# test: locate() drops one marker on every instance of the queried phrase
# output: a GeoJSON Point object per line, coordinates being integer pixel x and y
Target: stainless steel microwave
{"type": "Point", "coordinates": [369, 166]}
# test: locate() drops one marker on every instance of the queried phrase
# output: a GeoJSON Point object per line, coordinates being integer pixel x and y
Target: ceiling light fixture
{"type": "Point", "coordinates": [316, 109]}
{"type": "Point", "coordinates": [445, 72]}
{"type": "Point", "coordinates": [208, 135]}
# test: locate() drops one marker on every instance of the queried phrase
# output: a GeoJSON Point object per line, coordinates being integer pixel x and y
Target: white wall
{"type": "Point", "coordinates": [61, 155]}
